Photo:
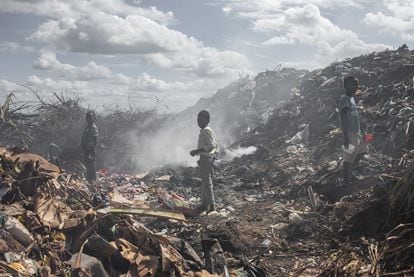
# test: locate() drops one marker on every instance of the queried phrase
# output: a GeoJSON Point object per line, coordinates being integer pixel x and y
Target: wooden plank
{"type": "Point", "coordinates": [159, 213]}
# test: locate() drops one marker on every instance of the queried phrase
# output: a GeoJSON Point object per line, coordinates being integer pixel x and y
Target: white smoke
{"type": "Point", "coordinates": [235, 108]}
{"type": "Point", "coordinates": [172, 143]}
{"type": "Point", "coordinates": [231, 154]}
{"type": "Point", "coordinates": [168, 144]}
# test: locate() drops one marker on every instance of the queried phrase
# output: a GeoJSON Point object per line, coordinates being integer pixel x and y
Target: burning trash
{"type": "Point", "coordinates": [316, 182]}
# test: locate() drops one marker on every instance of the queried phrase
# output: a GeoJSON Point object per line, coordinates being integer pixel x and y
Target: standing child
{"type": "Point", "coordinates": [353, 147]}
{"type": "Point", "coordinates": [207, 149]}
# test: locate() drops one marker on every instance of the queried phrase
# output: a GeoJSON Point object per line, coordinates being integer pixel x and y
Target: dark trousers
{"type": "Point", "coordinates": [90, 165]}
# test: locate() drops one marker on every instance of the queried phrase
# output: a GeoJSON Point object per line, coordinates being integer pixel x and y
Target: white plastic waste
{"type": "Point", "coordinates": [265, 244]}
{"type": "Point", "coordinates": [302, 136]}
{"type": "Point", "coordinates": [19, 231]}
{"type": "Point", "coordinates": [349, 150]}
{"type": "Point", "coordinates": [296, 219]}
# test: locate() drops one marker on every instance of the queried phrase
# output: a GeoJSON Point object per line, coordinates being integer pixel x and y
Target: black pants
{"type": "Point", "coordinates": [90, 164]}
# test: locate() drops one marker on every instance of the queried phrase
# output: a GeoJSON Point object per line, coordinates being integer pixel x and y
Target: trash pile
{"type": "Point", "coordinates": [245, 102]}
{"type": "Point", "coordinates": [282, 206]}
{"type": "Point", "coordinates": [298, 157]}
{"type": "Point", "coordinates": [304, 132]}
{"type": "Point", "coordinates": [56, 224]}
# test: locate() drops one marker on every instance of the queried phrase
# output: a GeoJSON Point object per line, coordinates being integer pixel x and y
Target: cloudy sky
{"type": "Point", "coordinates": [170, 53]}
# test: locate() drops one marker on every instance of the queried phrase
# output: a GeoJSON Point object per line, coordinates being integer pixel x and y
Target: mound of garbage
{"type": "Point", "coordinates": [282, 206]}
{"type": "Point", "coordinates": [362, 228]}
{"type": "Point", "coordinates": [54, 223]}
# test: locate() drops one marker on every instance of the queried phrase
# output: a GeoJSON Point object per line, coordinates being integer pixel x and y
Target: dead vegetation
{"type": "Point", "coordinates": [62, 120]}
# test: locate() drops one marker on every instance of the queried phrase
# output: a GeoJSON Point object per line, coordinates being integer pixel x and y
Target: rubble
{"type": "Point", "coordinates": [56, 228]}
{"type": "Point", "coordinates": [283, 209]}
{"type": "Point", "coordinates": [290, 166]}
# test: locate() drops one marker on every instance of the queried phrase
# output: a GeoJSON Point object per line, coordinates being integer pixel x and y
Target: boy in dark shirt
{"type": "Point", "coordinates": [89, 141]}
{"type": "Point", "coordinates": [353, 145]}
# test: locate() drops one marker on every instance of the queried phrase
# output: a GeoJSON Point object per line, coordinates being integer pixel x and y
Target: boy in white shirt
{"type": "Point", "coordinates": [207, 149]}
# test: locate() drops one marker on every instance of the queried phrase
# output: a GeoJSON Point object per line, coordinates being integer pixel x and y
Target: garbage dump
{"type": "Point", "coordinates": [299, 158]}
{"type": "Point", "coordinates": [282, 209]}
{"type": "Point", "coordinates": [54, 224]}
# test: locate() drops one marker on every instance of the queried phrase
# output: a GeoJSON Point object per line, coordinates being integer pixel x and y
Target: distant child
{"type": "Point", "coordinates": [354, 147]}
{"type": "Point", "coordinates": [89, 141]}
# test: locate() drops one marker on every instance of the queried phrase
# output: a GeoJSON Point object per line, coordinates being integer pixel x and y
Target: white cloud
{"type": "Point", "coordinates": [14, 47]}
{"type": "Point", "coordinates": [43, 87]}
{"type": "Point", "coordinates": [91, 71]}
{"type": "Point", "coordinates": [306, 25]}
{"type": "Point", "coordinates": [302, 24]}
{"type": "Point", "coordinates": [77, 9]}
{"type": "Point", "coordinates": [226, 9]}
{"type": "Point", "coordinates": [135, 34]}
{"type": "Point", "coordinates": [203, 62]}
{"type": "Point", "coordinates": [49, 84]}
{"type": "Point", "coordinates": [20, 93]}
{"type": "Point", "coordinates": [114, 27]}
{"type": "Point", "coordinates": [147, 82]}
{"type": "Point", "coordinates": [399, 22]}
{"type": "Point", "coordinates": [255, 9]}
{"type": "Point", "coordinates": [94, 81]}
{"type": "Point", "coordinates": [118, 27]}
{"type": "Point", "coordinates": [7, 87]}
{"type": "Point", "coordinates": [101, 33]}
{"type": "Point", "coordinates": [143, 90]}
{"type": "Point", "coordinates": [98, 73]}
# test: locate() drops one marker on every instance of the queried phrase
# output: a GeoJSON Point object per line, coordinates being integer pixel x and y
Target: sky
{"type": "Point", "coordinates": [167, 54]}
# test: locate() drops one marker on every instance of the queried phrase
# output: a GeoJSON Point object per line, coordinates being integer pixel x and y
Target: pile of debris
{"type": "Point", "coordinates": [283, 205]}
{"type": "Point", "coordinates": [299, 153]}
{"type": "Point", "coordinates": [245, 103]}
{"type": "Point", "coordinates": [56, 224]}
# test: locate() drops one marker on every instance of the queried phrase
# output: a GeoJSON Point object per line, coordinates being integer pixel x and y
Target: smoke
{"type": "Point", "coordinates": [234, 110]}
{"type": "Point", "coordinates": [231, 154]}
{"type": "Point", "coordinates": [170, 142]}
